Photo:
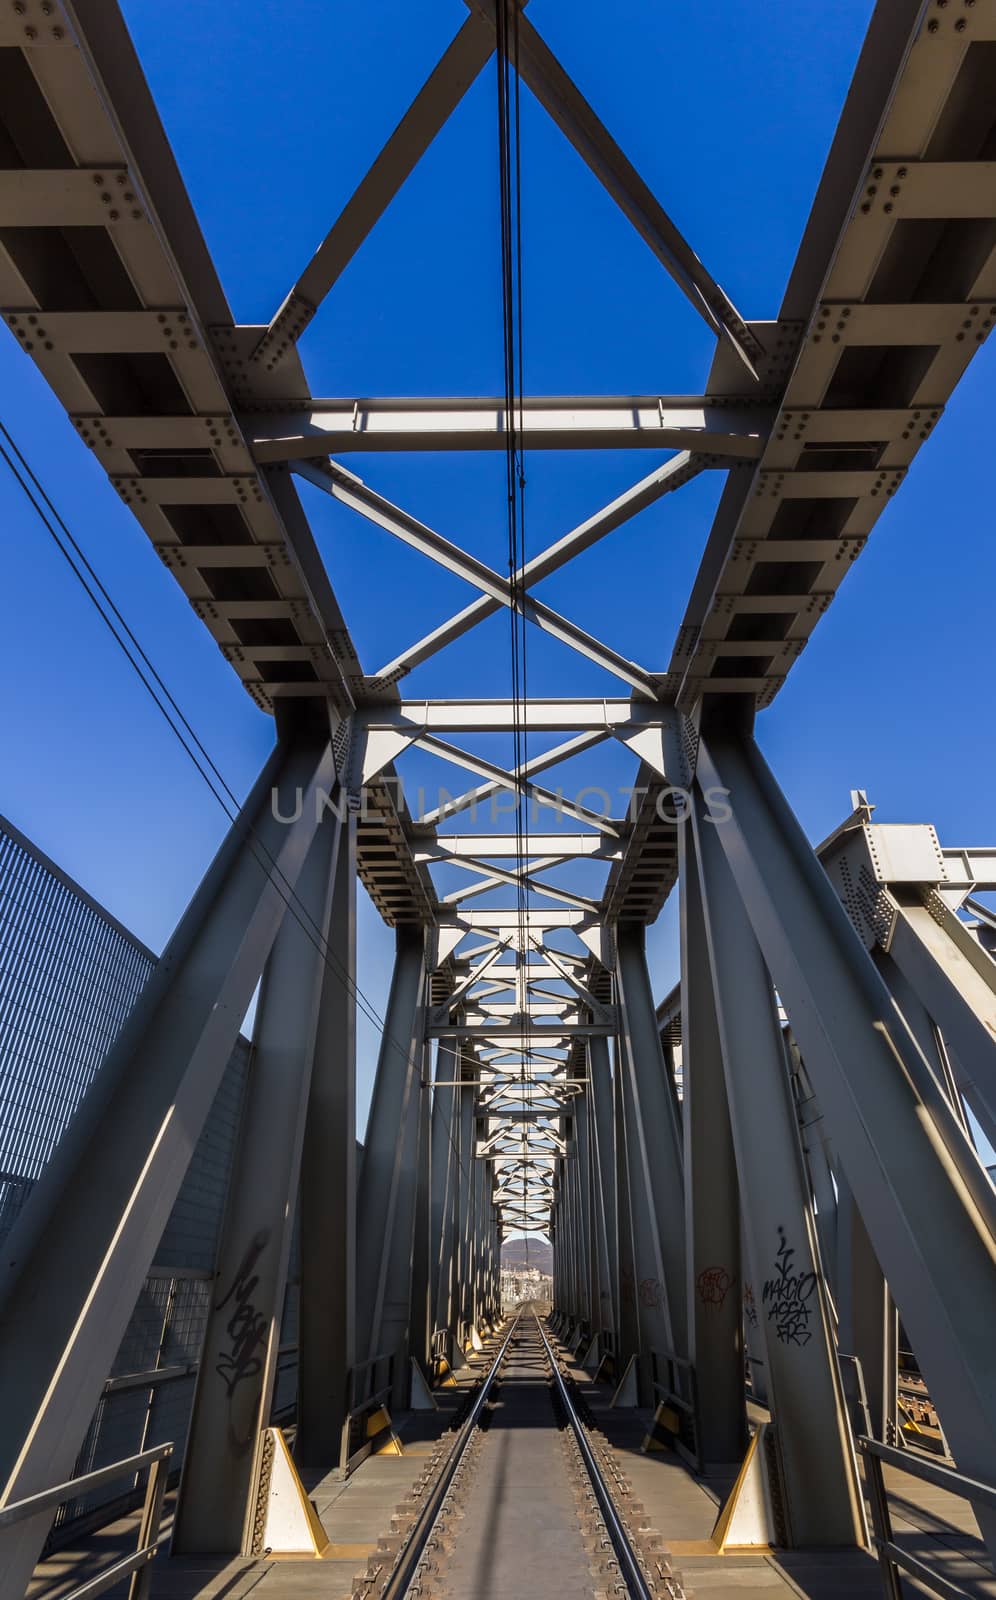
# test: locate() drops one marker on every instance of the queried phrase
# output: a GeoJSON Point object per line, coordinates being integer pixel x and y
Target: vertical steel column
{"type": "Point", "coordinates": [79, 1253]}
{"type": "Point", "coordinates": [327, 1308]}
{"type": "Point", "coordinates": [587, 1263]}
{"type": "Point", "coordinates": [628, 1321]}
{"type": "Point", "coordinates": [444, 1179]}
{"type": "Point", "coordinates": [600, 1094]}
{"type": "Point", "coordinates": [465, 1203]}
{"type": "Point", "coordinates": [653, 1146]}
{"type": "Point", "coordinates": [239, 1354]}
{"type": "Point", "coordinates": [593, 1264]}
{"type": "Point", "coordinates": [788, 1293]}
{"type": "Point", "coordinates": [712, 1202]}
{"type": "Point", "coordinates": [420, 1322]}
{"type": "Point", "coordinates": [386, 1195]}
{"type": "Point", "coordinates": [926, 1201]}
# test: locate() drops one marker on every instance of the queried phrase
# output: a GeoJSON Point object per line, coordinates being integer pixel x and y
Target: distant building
{"type": "Point", "coordinates": [519, 1284]}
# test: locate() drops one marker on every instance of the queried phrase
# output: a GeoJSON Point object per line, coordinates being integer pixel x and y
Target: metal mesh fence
{"type": "Point", "coordinates": [69, 977]}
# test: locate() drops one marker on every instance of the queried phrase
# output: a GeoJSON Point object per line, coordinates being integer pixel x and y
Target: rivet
{"type": "Point", "coordinates": [960, 25]}
{"type": "Point", "coordinates": [888, 206]}
{"type": "Point", "coordinates": [933, 25]}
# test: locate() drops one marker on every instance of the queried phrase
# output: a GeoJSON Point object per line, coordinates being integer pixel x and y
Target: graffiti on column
{"type": "Point", "coordinates": [788, 1296]}
{"type": "Point", "coordinates": [651, 1292]}
{"type": "Point", "coordinates": [247, 1327]}
{"type": "Point", "coordinates": [713, 1285]}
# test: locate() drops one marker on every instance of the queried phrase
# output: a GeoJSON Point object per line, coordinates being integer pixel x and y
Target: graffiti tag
{"type": "Point", "coordinates": [713, 1285]}
{"type": "Point", "coordinates": [787, 1296]}
{"type": "Point", "coordinates": [247, 1327]}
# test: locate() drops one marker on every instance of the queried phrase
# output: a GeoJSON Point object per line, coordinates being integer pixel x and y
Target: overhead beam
{"type": "Point", "coordinates": [500, 716]}
{"type": "Point", "coordinates": [484, 845]}
{"type": "Point", "coordinates": [736, 430]}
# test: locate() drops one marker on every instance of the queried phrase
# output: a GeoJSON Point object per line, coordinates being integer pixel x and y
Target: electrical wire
{"type": "Point", "coordinates": [510, 197]}
{"type": "Point", "coordinates": [168, 707]}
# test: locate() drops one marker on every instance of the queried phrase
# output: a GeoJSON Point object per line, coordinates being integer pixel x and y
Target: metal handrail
{"type": "Point", "coordinates": [891, 1556]}
{"type": "Point", "coordinates": [670, 1394]}
{"type": "Point", "coordinates": [138, 1564]}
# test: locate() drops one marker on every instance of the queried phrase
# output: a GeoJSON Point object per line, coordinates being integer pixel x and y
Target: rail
{"type": "Point", "coordinates": [401, 1578]}
{"type": "Point", "coordinates": [137, 1566]}
{"type": "Point", "coordinates": [892, 1557]}
{"type": "Point", "coordinates": [628, 1564]}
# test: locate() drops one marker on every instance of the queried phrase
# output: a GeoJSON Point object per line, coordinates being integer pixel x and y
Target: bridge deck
{"type": "Point", "coordinates": [936, 1526]}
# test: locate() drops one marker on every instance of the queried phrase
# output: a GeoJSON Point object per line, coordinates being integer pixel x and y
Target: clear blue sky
{"type": "Point", "coordinates": [728, 111]}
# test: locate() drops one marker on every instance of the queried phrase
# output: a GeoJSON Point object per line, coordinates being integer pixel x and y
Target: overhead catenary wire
{"type": "Point", "coordinates": [510, 197]}
{"type": "Point", "coordinates": [168, 707]}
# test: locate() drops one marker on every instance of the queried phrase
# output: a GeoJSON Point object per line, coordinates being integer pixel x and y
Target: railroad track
{"type": "Point", "coordinates": [524, 1491]}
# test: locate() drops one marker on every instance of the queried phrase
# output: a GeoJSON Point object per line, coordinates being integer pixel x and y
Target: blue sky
{"type": "Point", "coordinates": [274, 116]}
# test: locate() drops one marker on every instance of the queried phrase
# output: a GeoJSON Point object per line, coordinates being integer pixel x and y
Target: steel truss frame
{"type": "Point", "coordinates": [203, 426]}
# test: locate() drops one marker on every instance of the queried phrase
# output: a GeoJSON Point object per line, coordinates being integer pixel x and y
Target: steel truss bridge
{"type": "Point", "coordinates": [780, 1154]}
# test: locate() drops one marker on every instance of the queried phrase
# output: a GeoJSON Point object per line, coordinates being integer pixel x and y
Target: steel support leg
{"type": "Point", "coordinates": [788, 1293]}
{"type": "Point", "coordinates": [628, 1322]}
{"type": "Point", "coordinates": [926, 1201]}
{"type": "Point", "coordinates": [79, 1253]}
{"type": "Point", "coordinates": [386, 1195]}
{"type": "Point", "coordinates": [444, 1177]}
{"type": "Point", "coordinates": [600, 1100]}
{"type": "Point", "coordinates": [653, 1144]}
{"type": "Point", "coordinates": [420, 1325]}
{"type": "Point", "coordinates": [465, 1200]}
{"type": "Point", "coordinates": [712, 1205]}
{"type": "Point", "coordinates": [327, 1314]}
{"type": "Point", "coordinates": [238, 1361]}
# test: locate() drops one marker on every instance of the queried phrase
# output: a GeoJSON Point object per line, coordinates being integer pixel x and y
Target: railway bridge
{"type": "Point", "coordinates": [773, 1287]}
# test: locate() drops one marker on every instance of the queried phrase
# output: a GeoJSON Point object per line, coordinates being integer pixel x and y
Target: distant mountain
{"type": "Point", "coordinates": [513, 1253]}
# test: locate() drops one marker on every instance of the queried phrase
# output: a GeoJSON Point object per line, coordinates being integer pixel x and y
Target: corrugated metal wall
{"type": "Point", "coordinates": [69, 976]}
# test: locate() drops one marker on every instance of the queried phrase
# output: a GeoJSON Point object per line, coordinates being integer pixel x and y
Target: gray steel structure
{"type": "Point", "coordinates": [69, 977]}
{"type": "Point", "coordinates": [553, 1103]}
